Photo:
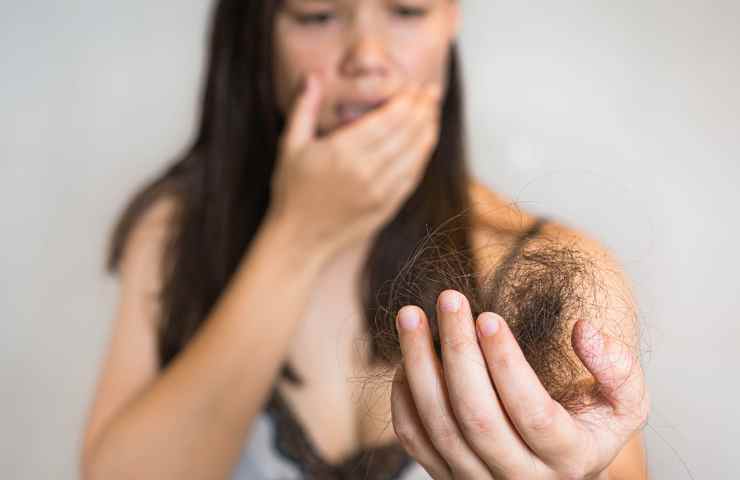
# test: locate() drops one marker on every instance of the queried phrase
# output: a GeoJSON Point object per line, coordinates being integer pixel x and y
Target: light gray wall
{"type": "Point", "coordinates": [618, 117]}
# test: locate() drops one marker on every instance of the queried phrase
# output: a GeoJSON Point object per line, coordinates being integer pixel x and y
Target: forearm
{"type": "Point", "coordinates": [192, 421]}
{"type": "Point", "coordinates": [631, 462]}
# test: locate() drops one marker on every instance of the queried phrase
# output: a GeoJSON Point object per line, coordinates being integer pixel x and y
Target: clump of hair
{"type": "Point", "coordinates": [540, 289]}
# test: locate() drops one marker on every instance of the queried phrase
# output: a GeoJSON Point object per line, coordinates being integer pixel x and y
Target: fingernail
{"type": "Point", "coordinates": [408, 318]}
{"type": "Point", "coordinates": [450, 302]}
{"type": "Point", "coordinates": [488, 324]}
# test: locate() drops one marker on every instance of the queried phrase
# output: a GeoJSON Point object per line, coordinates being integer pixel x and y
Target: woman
{"type": "Point", "coordinates": [331, 141]}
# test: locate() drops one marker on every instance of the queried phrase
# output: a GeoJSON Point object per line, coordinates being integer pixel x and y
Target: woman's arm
{"type": "Point", "coordinates": [191, 421]}
{"type": "Point", "coordinates": [631, 462]}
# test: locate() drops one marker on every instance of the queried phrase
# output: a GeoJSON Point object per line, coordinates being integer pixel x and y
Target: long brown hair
{"type": "Point", "coordinates": [222, 182]}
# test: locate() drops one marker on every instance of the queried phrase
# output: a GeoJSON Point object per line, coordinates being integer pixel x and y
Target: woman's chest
{"type": "Point", "coordinates": [343, 406]}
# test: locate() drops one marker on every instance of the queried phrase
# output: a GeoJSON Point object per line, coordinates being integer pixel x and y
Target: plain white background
{"type": "Point", "coordinates": [620, 118]}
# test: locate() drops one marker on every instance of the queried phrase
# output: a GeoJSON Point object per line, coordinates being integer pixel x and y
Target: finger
{"type": "Point", "coordinates": [474, 401]}
{"type": "Point", "coordinates": [403, 174]}
{"type": "Point", "coordinates": [374, 127]}
{"type": "Point", "coordinates": [403, 170]}
{"type": "Point", "coordinates": [411, 433]}
{"type": "Point", "coordinates": [616, 369]}
{"type": "Point", "coordinates": [302, 122]}
{"type": "Point", "coordinates": [543, 424]}
{"type": "Point", "coordinates": [399, 129]}
{"type": "Point", "coordinates": [414, 137]}
{"type": "Point", "coordinates": [429, 392]}
{"type": "Point", "coordinates": [402, 134]}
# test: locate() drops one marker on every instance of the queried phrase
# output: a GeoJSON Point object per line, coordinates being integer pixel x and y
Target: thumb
{"type": "Point", "coordinates": [614, 366]}
{"type": "Point", "coordinates": [302, 121]}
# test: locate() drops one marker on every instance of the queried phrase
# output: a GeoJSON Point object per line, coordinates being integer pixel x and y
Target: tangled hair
{"type": "Point", "coordinates": [542, 287]}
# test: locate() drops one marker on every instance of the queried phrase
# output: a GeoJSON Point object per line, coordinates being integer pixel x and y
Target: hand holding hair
{"type": "Point", "coordinates": [537, 392]}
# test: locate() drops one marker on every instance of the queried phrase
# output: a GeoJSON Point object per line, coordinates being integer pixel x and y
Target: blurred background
{"type": "Point", "coordinates": [620, 118]}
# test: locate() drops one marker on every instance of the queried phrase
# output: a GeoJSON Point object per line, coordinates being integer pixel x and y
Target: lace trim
{"type": "Point", "coordinates": [385, 462]}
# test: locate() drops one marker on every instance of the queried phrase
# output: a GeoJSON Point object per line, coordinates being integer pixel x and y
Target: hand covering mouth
{"type": "Point", "coordinates": [349, 111]}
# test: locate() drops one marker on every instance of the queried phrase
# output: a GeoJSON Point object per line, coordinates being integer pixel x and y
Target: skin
{"type": "Point", "coordinates": [483, 387]}
{"type": "Point", "coordinates": [366, 49]}
{"type": "Point", "coordinates": [481, 412]}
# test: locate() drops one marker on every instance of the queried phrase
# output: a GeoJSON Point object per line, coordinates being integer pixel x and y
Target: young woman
{"type": "Point", "coordinates": [331, 142]}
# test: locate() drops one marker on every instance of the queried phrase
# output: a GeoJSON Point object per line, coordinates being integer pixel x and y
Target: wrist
{"type": "Point", "coordinates": [292, 240]}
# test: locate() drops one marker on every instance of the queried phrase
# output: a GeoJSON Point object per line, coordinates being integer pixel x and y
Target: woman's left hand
{"type": "Point", "coordinates": [481, 412]}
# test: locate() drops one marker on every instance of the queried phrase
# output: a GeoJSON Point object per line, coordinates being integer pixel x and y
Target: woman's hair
{"type": "Point", "coordinates": [222, 187]}
{"type": "Point", "coordinates": [541, 287]}
{"type": "Point", "coordinates": [222, 184]}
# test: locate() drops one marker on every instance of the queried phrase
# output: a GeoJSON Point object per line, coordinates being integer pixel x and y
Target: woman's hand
{"type": "Point", "coordinates": [482, 413]}
{"type": "Point", "coordinates": [343, 187]}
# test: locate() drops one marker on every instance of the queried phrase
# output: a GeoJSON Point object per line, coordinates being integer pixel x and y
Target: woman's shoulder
{"type": "Point", "coordinates": [496, 218]}
{"type": "Point", "coordinates": [497, 224]}
{"type": "Point", "coordinates": [492, 211]}
{"type": "Point", "coordinates": [142, 248]}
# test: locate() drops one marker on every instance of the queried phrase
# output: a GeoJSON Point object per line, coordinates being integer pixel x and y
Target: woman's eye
{"type": "Point", "coordinates": [320, 18]}
{"type": "Point", "coordinates": [313, 18]}
{"type": "Point", "coordinates": [411, 11]}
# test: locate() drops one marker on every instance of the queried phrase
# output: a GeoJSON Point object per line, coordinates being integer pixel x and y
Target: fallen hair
{"type": "Point", "coordinates": [540, 289]}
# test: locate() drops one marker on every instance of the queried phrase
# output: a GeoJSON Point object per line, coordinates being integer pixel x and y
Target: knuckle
{"type": "Point", "coordinates": [406, 433]}
{"type": "Point", "coordinates": [445, 432]}
{"type": "Point", "coordinates": [503, 358]}
{"type": "Point", "coordinates": [456, 345]}
{"type": "Point", "coordinates": [540, 419]}
{"type": "Point", "coordinates": [635, 406]}
{"type": "Point", "coordinates": [474, 422]}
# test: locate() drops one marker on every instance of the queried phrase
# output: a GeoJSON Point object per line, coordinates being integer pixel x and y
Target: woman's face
{"type": "Point", "coordinates": [363, 50]}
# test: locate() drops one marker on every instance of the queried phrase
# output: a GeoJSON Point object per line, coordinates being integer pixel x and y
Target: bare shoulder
{"type": "Point", "coordinates": [494, 213]}
{"type": "Point", "coordinates": [155, 220]}
{"type": "Point", "coordinates": [498, 221]}
{"type": "Point", "coordinates": [144, 248]}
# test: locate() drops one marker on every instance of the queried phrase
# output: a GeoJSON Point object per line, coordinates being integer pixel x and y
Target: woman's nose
{"type": "Point", "coordinates": [366, 51]}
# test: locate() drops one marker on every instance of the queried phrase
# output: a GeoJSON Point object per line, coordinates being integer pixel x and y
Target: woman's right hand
{"type": "Point", "coordinates": [344, 187]}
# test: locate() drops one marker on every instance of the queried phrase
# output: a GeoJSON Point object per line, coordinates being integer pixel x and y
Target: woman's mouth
{"type": "Point", "coordinates": [347, 112]}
